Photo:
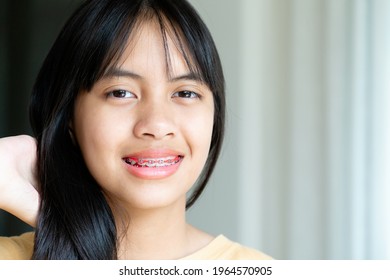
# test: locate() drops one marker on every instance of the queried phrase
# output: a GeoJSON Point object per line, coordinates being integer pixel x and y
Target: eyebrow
{"type": "Point", "coordinates": [117, 72]}
{"type": "Point", "coordinates": [189, 77]}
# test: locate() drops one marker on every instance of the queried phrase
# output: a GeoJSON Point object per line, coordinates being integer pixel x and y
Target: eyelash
{"type": "Point", "coordinates": [122, 93]}
{"type": "Point", "coordinates": [187, 93]}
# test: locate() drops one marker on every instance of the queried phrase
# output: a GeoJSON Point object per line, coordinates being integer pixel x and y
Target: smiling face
{"type": "Point", "coordinates": [145, 131]}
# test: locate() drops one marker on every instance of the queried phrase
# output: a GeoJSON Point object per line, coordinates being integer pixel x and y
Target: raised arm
{"type": "Point", "coordinates": [18, 194]}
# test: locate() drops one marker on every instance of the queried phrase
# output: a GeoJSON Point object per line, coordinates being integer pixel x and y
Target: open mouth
{"type": "Point", "coordinates": [153, 162]}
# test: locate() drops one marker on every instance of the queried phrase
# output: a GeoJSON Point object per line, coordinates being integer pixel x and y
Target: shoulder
{"type": "Point", "coordinates": [230, 250]}
{"type": "Point", "coordinates": [17, 247]}
{"type": "Point", "coordinates": [240, 252]}
{"type": "Point", "coordinates": [221, 248]}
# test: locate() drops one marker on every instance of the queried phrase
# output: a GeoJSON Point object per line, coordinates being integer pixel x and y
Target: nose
{"type": "Point", "coordinates": [155, 120]}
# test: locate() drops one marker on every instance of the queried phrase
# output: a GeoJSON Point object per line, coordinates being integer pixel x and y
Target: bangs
{"type": "Point", "coordinates": [169, 31]}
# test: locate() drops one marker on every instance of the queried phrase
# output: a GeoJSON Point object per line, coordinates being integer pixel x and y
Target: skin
{"type": "Point", "coordinates": [18, 195]}
{"type": "Point", "coordinates": [155, 111]}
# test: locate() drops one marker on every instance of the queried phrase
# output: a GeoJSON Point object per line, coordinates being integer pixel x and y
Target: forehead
{"type": "Point", "coordinates": [158, 46]}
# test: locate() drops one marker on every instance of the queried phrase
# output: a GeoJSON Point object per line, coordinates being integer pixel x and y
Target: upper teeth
{"type": "Point", "coordinates": [153, 162]}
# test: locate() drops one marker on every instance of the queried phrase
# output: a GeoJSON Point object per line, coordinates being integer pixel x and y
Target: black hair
{"type": "Point", "coordinates": [75, 220]}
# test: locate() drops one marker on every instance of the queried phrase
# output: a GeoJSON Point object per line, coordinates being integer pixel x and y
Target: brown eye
{"type": "Point", "coordinates": [121, 94]}
{"type": "Point", "coordinates": [186, 94]}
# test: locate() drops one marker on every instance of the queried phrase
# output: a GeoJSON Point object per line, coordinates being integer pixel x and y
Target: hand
{"type": "Point", "coordinates": [18, 194]}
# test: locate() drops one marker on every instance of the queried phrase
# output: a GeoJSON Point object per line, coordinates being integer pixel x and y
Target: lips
{"type": "Point", "coordinates": [153, 164]}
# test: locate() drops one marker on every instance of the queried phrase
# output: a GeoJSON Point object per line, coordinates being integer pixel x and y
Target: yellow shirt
{"type": "Point", "coordinates": [17, 247]}
{"type": "Point", "coordinates": [221, 248]}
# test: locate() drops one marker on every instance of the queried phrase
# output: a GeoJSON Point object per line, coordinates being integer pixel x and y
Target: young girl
{"type": "Point", "coordinates": [128, 114]}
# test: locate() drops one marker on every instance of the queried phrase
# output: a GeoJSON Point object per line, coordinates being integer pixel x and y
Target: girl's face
{"type": "Point", "coordinates": [145, 132]}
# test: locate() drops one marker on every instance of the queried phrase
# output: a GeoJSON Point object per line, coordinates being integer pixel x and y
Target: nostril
{"type": "Point", "coordinates": [157, 134]}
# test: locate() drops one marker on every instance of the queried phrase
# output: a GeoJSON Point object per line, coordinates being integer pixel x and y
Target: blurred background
{"type": "Point", "coordinates": [304, 168]}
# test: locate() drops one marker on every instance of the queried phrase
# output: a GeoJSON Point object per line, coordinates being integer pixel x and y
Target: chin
{"type": "Point", "coordinates": [149, 199]}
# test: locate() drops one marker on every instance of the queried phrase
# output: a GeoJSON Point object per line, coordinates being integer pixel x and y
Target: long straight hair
{"type": "Point", "coordinates": [75, 220]}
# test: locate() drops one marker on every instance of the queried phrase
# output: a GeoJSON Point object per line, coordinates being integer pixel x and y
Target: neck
{"type": "Point", "coordinates": [155, 234]}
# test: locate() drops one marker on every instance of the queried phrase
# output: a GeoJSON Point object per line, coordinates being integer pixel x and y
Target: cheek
{"type": "Point", "coordinates": [96, 136]}
{"type": "Point", "coordinates": [98, 141]}
{"type": "Point", "coordinates": [199, 132]}
{"type": "Point", "coordinates": [91, 139]}
{"type": "Point", "coordinates": [96, 125]}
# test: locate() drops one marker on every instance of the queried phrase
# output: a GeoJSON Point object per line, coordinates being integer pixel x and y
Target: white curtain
{"type": "Point", "coordinates": [379, 237]}
{"type": "Point", "coordinates": [309, 126]}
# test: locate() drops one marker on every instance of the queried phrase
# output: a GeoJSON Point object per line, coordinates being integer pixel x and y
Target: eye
{"type": "Point", "coordinates": [121, 93]}
{"type": "Point", "coordinates": [186, 94]}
